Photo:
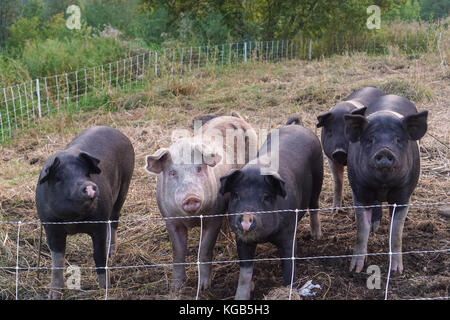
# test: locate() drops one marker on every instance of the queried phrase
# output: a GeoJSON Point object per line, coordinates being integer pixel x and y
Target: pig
{"type": "Point", "coordinates": [334, 141]}
{"type": "Point", "coordinates": [383, 166]}
{"type": "Point", "coordinates": [87, 181]}
{"type": "Point", "coordinates": [295, 184]}
{"type": "Point", "coordinates": [189, 188]}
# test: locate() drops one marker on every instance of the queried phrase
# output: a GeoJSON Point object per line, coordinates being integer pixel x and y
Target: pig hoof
{"type": "Point", "coordinates": [397, 265]}
{"type": "Point", "coordinates": [357, 264]}
{"type": "Point", "coordinates": [55, 294]}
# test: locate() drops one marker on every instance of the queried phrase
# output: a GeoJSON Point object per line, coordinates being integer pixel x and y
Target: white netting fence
{"type": "Point", "coordinates": [23, 104]}
{"type": "Point", "coordinates": [110, 268]}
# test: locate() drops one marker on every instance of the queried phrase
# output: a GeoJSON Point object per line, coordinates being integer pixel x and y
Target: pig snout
{"type": "Point", "coordinates": [191, 204]}
{"type": "Point", "coordinates": [247, 221]}
{"type": "Point", "coordinates": [339, 156]}
{"type": "Point", "coordinates": [89, 190]}
{"type": "Point", "coordinates": [384, 160]}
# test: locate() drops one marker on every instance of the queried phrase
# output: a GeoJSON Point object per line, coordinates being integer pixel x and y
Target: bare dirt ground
{"type": "Point", "coordinates": [266, 95]}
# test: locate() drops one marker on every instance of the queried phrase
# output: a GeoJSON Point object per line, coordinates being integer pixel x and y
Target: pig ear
{"type": "Point", "coordinates": [359, 111]}
{"type": "Point", "coordinates": [155, 163]}
{"type": "Point", "coordinates": [276, 182]}
{"type": "Point", "coordinates": [416, 125]}
{"type": "Point", "coordinates": [227, 181]}
{"type": "Point", "coordinates": [91, 161]}
{"type": "Point", "coordinates": [354, 126]}
{"type": "Point", "coordinates": [49, 171]}
{"type": "Point", "coordinates": [322, 119]}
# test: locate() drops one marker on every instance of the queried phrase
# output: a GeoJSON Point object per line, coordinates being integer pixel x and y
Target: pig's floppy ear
{"type": "Point", "coordinates": [354, 126]}
{"type": "Point", "coordinates": [359, 111]}
{"type": "Point", "coordinates": [49, 170]}
{"type": "Point", "coordinates": [416, 125]}
{"type": "Point", "coordinates": [277, 183]}
{"type": "Point", "coordinates": [227, 181]}
{"type": "Point", "coordinates": [322, 119]}
{"type": "Point", "coordinates": [91, 162]}
{"type": "Point", "coordinates": [155, 163]}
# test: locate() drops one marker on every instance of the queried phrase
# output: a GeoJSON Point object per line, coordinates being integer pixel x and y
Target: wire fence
{"type": "Point", "coordinates": [108, 267]}
{"type": "Point", "coordinates": [24, 104]}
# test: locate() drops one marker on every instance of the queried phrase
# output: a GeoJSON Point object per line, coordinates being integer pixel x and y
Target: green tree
{"type": "Point", "coordinates": [434, 9]}
{"type": "Point", "coordinates": [267, 19]}
{"type": "Point", "coordinates": [34, 8]}
{"type": "Point", "coordinates": [9, 12]}
{"type": "Point", "coordinates": [22, 31]}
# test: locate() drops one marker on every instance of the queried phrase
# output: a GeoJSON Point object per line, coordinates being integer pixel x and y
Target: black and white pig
{"type": "Point", "coordinates": [334, 141]}
{"type": "Point", "coordinates": [189, 187]}
{"type": "Point", "coordinates": [87, 181]}
{"type": "Point", "coordinates": [261, 186]}
{"type": "Point", "coordinates": [383, 165]}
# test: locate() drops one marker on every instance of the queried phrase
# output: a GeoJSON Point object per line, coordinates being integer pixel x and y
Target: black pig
{"type": "Point", "coordinates": [295, 184]}
{"type": "Point", "coordinates": [87, 181]}
{"type": "Point", "coordinates": [383, 165]}
{"type": "Point", "coordinates": [334, 141]}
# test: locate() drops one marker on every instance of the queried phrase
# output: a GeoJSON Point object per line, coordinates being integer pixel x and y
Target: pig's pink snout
{"type": "Point", "coordinates": [90, 191]}
{"type": "Point", "coordinates": [191, 204]}
{"type": "Point", "coordinates": [247, 221]}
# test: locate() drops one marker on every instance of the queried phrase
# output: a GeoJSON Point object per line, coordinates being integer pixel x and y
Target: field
{"type": "Point", "coordinates": [266, 95]}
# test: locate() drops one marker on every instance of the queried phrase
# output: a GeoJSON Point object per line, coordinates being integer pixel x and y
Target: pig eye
{"type": "Point", "coordinates": [172, 173]}
{"type": "Point", "coordinates": [198, 169]}
{"type": "Point", "coordinates": [266, 197]}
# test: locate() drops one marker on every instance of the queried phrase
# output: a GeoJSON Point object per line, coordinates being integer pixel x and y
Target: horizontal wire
{"type": "Point", "coordinates": [156, 265]}
{"type": "Point", "coordinates": [225, 214]}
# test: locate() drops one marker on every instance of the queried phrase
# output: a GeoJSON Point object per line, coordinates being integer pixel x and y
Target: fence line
{"type": "Point", "coordinates": [72, 89]}
{"type": "Point", "coordinates": [293, 258]}
{"type": "Point", "coordinates": [431, 204]}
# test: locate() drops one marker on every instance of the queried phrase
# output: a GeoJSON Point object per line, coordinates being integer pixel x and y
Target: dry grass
{"type": "Point", "coordinates": [266, 95]}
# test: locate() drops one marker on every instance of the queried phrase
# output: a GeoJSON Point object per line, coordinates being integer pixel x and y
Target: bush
{"type": "Point", "coordinates": [23, 30]}
{"type": "Point", "coordinates": [11, 72]}
{"type": "Point", "coordinates": [50, 57]}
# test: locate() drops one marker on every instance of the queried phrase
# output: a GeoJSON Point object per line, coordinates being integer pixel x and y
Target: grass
{"type": "Point", "coordinates": [266, 95]}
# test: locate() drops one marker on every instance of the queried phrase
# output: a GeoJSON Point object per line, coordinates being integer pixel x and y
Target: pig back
{"type": "Point", "coordinates": [112, 148]}
{"type": "Point", "coordinates": [392, 103]}
{"type": "Point", "coordinates": [238, 137]}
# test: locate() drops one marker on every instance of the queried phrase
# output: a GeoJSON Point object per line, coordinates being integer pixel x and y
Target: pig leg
{"type": "Point", "coordinates": [211, 228]}
{"type": "Point", "coordinates": [376, 218]}
{"type": "Point", "coordinates": [338, 176]}
{"type": "Point", "coordinates": [178, 234]}
{"type": "Point", "coordinates": [111, 242]}
{"type": "Point", "coordinates": [57, 244]}
{"type": "Point", "coordinates": [246, 251]}
{"type": "Point", "coordinates": [286, 265]}
{"type": "Point", "coordinates": [397, 235]}
{"type": "Point", "coordinates": [363, 222]}
{"type": "Point", "coordinates": [99, 242]}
